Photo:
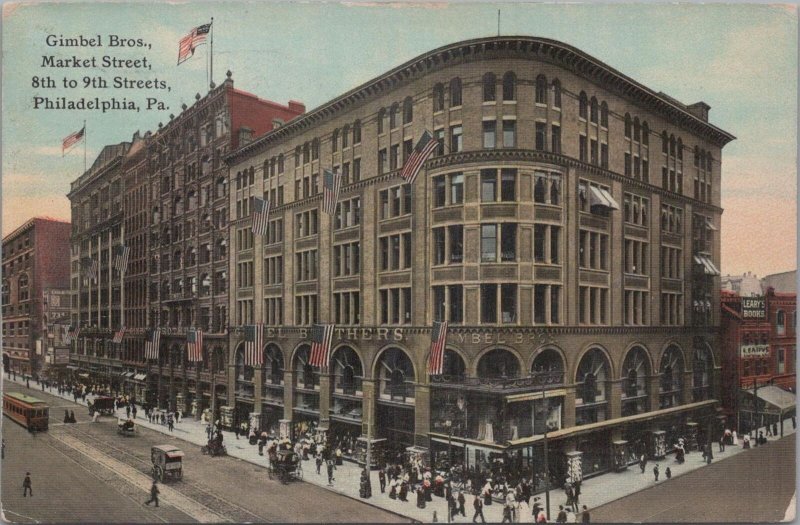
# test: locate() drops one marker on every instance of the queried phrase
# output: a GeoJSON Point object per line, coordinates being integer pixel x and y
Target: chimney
{"type": "Point", "coordinates": [297, 107]}
{"type": "Point", "coordinates": [699, 110]}
{"type": "Point", "coordinates": [245, 136]}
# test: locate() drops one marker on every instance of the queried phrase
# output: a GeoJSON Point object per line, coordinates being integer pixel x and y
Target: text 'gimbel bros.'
{"type": "Point", "coordinates": [98, 73]}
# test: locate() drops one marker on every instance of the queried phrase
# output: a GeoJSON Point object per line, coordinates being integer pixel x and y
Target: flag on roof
{"type": "Point", "coordinates": [321, 338]}
{"type": "Point", "coordinates": [72, 139]}
{"type": "Point", "coordinates": [188, 43]}
{"type": "Point", "coordinates": [424, 148]}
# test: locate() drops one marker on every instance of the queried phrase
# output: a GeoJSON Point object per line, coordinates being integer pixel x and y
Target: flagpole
{"type": "Point", "coordinates": [211, 54]}
{"type": "Point", "coordinates": [85, 139]}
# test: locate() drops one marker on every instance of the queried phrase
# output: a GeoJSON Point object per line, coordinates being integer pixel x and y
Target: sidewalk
{"type": "Point", "coordinates": [595, 491]}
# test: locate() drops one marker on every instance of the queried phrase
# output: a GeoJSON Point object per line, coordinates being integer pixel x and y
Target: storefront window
{"type": "Point", "coordinates": [591, 405]}
{"type": "Point", "coordinates": [635, 369]}
{"type": "Point", "coordinates": [498, 364]}
{"type": "Point", "coordinates": [671, 378]}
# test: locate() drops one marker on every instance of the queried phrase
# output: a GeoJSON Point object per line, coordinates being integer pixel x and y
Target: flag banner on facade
{"type": "Point", "coordinates": [331, 183]}
{"type": "Point", "coordinates": [67, 334]}
{"type": "Point", "coordinates": [260, 215]}
{"type": "Point", "coordinates": [253, 343]}
{"type": "Point", "coordinates": [118, 335]}
{"type": "Point", "coordinates": [76, 332]}
{"type": "Point", "coordinates": [152, 343]}
{"type": "Point", "coordinates": [194, 345]}
{"type": "Point", "coordinates": [424, 148]}
{"type": "Point", "coordinates": [189, 43]}
{"type": "Point", "coordinates": [89, 268]}
{"type": "Point", "coordinates": [72, 139]}
{"type": "Point", "coordinates": [438, 342]}
{"type": "Point", "coordinates": [121, 255]}
{"type": "Point", "coordinates": [321, 339]}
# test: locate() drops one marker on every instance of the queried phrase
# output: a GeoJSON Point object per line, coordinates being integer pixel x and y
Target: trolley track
{"type": "Point", "coordinates": [193, 490]}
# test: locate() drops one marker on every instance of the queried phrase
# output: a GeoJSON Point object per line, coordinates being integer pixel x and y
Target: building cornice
{"type": "Point", "coordinates": [553, 51]}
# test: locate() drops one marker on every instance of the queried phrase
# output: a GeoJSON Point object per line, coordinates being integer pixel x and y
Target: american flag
{"type": "Point", "coordinates": [118, 335]}
{"type": "Point", "coordinates": [70, 333]}
{"type": "Point", "coordinates": [321, 338]}
{"type": "Point", "coordinates": [424, 148]}
{"type": "Point", "coordinates": [194, 38]}
{"type": "Point", "coordinates": [194, 345]}
{"type": "Point", "coordinates": [331, 183]}
{"type": "Point", "coordinates": [260, 215]}
{"type": "Point", "coordinates": [152, 343]}
{"type": "Point", "coordinates": [253, 343]}
{"type": "Point", "coordinates": [72, 139]}
{"type": "Point", "coordinates": [438, 342]}
{"type": "Point", "coordinates": [89, 267]}
{"type": "Point", "coordinates": [121, 254]}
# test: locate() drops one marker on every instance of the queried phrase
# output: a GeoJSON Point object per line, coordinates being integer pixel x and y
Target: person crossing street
{"type": "Point", "coordinates": [26, 486]}
{"type": "Point", "coordinates": [154, 492]}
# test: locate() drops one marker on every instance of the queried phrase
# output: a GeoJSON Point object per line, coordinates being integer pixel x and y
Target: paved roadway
{"type": "Point", "coordinates": [754, 486]}
{"type": "Point", "coordinates": [85, 472]}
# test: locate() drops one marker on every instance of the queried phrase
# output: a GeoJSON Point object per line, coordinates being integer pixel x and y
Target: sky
{"type": "Point", "coordinates": [739, 59]}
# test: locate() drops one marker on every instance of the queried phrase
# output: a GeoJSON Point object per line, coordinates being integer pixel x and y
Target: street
{"type": "Point", "coordinates": [87, 472]}
{"type": "Point", "coordinates": [755, 486]}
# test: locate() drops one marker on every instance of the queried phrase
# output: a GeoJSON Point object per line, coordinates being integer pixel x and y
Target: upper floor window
{"type": "Point", "coordinates": [604, 114]}
{"type": "Point", "coordinates": [509, 86]}
{"type": "Point", "coordinates": [489, 87]}
{"type": "Point", "coordinates": [356, 132]}
{"type": "Point", "coordinates": [556, 93]}
{"type": "Point", "coordinates": [6, 292]}
{"type": "Point", "coordinates": [381, 119]}
{"type": "Point", "coordinates": [22, 287]}
{"type": "Point", "coordinates": [455, 92]}
{"type": "Point", "coordinates": [541, 90]}
{"type": "Point", "coordinates": [547, 188]}
{"type": "Point", "coordinates": [583, 106]}
{"type": "Point", "coordinates": [593, 110]}
{"type": "Point", "coordinates": [494, 189]}
{"type": "Point", "coordinates": [335, 140]}
{"type": "Point", "coordinates": [408, 111]}
{"type": "Point", "coordinates": [780, 322]}
{"type": "Point", "coordinates": [438, 97]}
{"type": "Point", "coordinates": [393, 111]}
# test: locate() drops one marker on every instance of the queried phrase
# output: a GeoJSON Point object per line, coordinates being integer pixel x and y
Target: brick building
{"type": "Point", "coordinates": [567, 228]}
{"type": "Point", "coordinates": [164, 196]}
{"type": "Point", "coordinates": [758, 337]}
{"type": "Point", "coordinates": [35, 264]}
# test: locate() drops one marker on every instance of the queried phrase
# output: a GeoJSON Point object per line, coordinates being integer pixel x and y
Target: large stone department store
{"type": "Point", "coordinates": [567, 228]}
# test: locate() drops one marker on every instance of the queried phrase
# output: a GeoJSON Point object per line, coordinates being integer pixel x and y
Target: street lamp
{"type": "Point", "coordinates": [449, 425]}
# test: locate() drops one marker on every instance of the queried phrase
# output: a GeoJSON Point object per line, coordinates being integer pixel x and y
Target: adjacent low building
{"type": "Point", "coordinates": [35, 268]}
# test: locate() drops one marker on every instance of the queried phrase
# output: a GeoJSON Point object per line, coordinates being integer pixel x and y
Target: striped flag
{"type": "Point", "coordinates": [72, 139]}
{"type": "Point", "coordinates": [194, 345]}
{"type": "Point", "coordinates": [89, 268]}
{"type": "Point", "coordinates": [118, 335]}
{"type": "Point", "coordinates": [194, 38]}
{"type": "Point", "coordinates": [331, 183]}
{"type": "Point", "coordinates": [253, 343]}
{"type": "Point", "coordinates": [438, 342]}
{"type": "Point", "coordinates": [424, 148]}
{"type": "Point", "coordinates": [121, 255]}
{"type": "Point", "coordinates": [321, 338]}
{"type": "Point", "coordinates": [70, 333]}
{"type": "Point", "coordinates": [151, 345]}
{"type": "Point", "coordinates": [260, 215]}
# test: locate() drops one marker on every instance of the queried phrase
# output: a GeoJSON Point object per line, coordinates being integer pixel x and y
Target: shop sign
{"type": "Point", "coordinates": [753, 308]}
{"type": "Point", "coordinates": [754, 351]}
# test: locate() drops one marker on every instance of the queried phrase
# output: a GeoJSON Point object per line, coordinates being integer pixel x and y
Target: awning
{"type": "Point", "coordinates": [585, 429]}
{"type": "Point", "coordinates": [140, 377]}
{"type": "Point", "coordinates": [128, 374]}
{"type": "Point", "coordinates": [533, 396]}
{"type": "Point", "coordinates": [708, 266]}
{"type": "Point", "coordinates": [601, 197]}
{"type": "Point", "coordinates": [779, 401]}
{"type": "Point", "coordinates": [710, 225]}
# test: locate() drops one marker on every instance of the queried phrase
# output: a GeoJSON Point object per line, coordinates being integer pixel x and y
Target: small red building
{"type": "Point", "coordinates": [758, 344]}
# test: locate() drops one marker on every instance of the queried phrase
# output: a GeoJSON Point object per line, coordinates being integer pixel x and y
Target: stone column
{"type": "Point", "coordinates": [574, 466]}
{"type": "Point", "coordinates": [288, 394]}
{"type": "Point", "coordinates": [687, 387]}
{"type": "Point", "coordinates": [368, 417]}
{"type": "Point", "coordinates": [422, 415]}
{"type": "Point", "coordinates": [615, 399]}
{"type": "Point", "coordinates": [653, 392]}
{"type": "Point", "coordinates": [258, 381]}
{"type": "Point", "coordinates": [324, 400]}
{"type": "Point", "coordinates": [569, 408]}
